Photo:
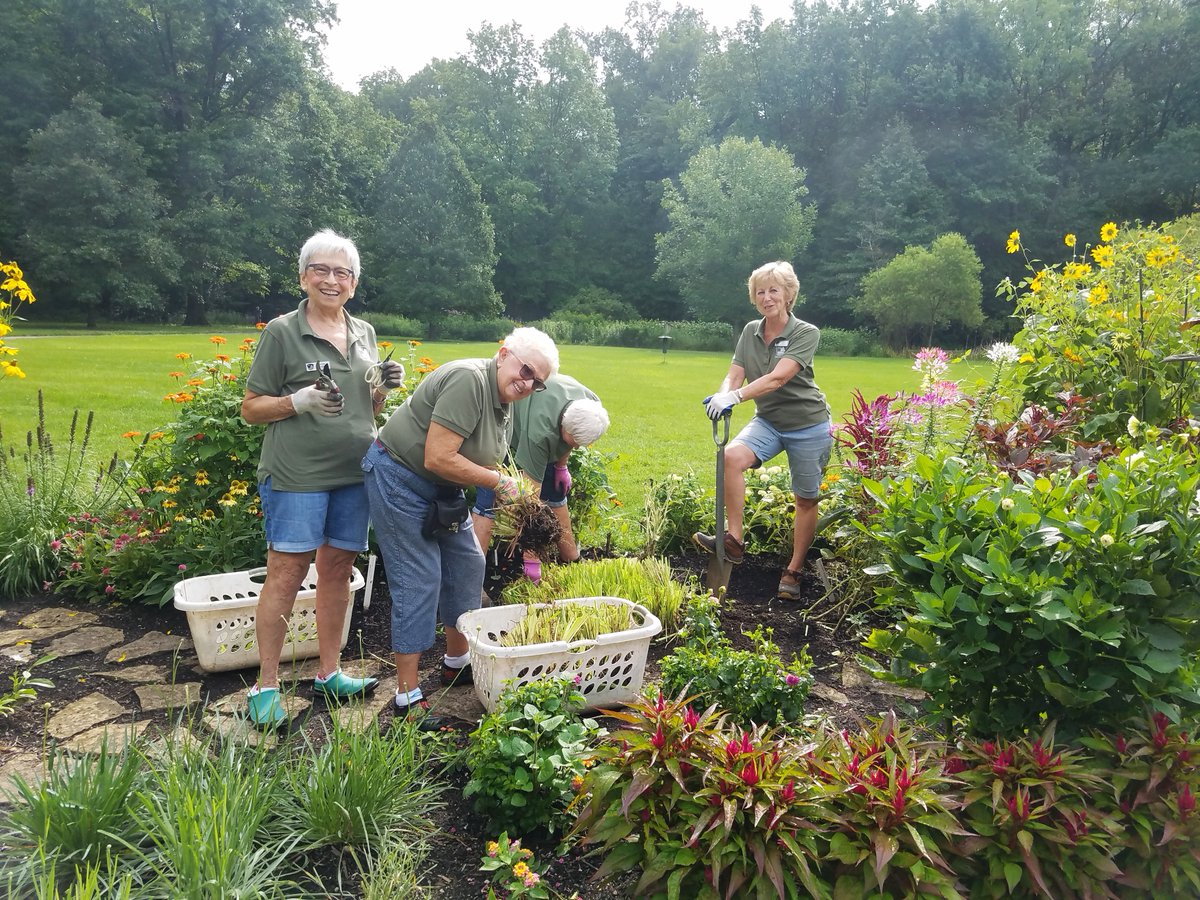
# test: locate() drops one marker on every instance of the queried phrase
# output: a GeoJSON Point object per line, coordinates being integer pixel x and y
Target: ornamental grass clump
{"type": "Point", "coordinates": [648, 582]}
{"type": "Point", "coordinates": [577, 621]}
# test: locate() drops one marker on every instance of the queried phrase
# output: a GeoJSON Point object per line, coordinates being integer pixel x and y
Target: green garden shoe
{"type": "Point", "coordinates": [340, 686]}
{"type": "Point", "coordinates": [266, 709]}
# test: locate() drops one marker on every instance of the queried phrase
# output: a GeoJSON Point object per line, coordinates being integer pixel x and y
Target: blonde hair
{"type": "Point", "coordinates": [778, 272]}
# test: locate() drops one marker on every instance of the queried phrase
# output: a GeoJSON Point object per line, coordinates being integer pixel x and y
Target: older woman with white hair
{"type": "Point", "coordinates": [773, 366]}
{"type": "Point", "coordinates": [316, 383]}
{"type": "Point", "coordinates": [544, 431]}
{"type": "Point", "coordinates": [449, 435]}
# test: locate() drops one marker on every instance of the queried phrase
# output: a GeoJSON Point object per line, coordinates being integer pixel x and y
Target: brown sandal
{"type": "Point", "coordinates": [786, 590]}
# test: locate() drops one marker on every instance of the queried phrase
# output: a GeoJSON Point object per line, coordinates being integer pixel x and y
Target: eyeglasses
{"type": "Point", "coordinates": [323, 271]}
{"type": "Point", "coordinates": [528, 374]}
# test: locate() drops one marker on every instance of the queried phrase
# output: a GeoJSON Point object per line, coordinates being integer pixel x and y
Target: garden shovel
{"type": "Point", "coordinates": [718, 566]}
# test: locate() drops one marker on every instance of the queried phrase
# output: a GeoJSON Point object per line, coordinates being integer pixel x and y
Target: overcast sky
{"type": "Point", "coordinates": [406, 34]}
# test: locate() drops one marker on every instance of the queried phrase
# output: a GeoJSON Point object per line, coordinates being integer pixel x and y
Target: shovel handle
{"type": "Point", "coordinates": [722, 419]}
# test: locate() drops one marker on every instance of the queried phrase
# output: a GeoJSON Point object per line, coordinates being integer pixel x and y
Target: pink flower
{"type": "Point", "coordinates": [690, 718]}
{"type": "Point", "coordinates": [789, 791]}
{"type": "Point", "coordinates": [1187, 802]}
{"type": "Point", "coordinates": [109, 589]}
{"type": "Point", "coordinates": [183, 567]}
{"type": "Point", "coordinates": [953, 765]}
{"type": "Point", "coordinates": [792, 680]}
{"type": "Point", "coordinates": [749, 775]}
{"type": "Point", "coordinates": [658, 740]}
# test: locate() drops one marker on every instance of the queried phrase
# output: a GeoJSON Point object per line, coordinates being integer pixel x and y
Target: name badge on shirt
{"type": "Point", "coordinates": [780, 349]}
{"type": "Point", "coordinates": [310, 367]}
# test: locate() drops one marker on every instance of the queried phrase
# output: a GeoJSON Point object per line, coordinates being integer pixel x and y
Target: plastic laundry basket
{"type": "Point", "coordinates": [221, 611]}
{"type": "Point", "coordinates": [609, 668]}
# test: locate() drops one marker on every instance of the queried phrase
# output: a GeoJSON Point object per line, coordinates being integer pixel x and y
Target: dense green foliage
{"type": "Point", "coordinates": [201, 175]}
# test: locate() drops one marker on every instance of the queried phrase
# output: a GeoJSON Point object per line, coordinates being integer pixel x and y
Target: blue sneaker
{"type": "Point", "coordinates": [340, 686]}
{"type": "Point", "coordinates": [266, 709]}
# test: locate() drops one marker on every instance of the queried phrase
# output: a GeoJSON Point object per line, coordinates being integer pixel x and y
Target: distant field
{"type": "Point", "coordinates": [658, 426]}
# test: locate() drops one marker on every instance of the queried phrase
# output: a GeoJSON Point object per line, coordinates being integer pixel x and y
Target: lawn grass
{"type": "Point", "coordinates": [658, 423]}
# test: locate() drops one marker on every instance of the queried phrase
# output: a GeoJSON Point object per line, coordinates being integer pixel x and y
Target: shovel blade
{"type": "Point", "coordinates": [719, 570]}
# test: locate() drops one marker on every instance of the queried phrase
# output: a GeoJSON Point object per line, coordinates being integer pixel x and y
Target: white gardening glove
{"type": "Point", "coordinates": [318, 402]}
{"type": "Point", "coordinates": [391, 375]}
{"type": "Point", "coordinates": [719, 402]}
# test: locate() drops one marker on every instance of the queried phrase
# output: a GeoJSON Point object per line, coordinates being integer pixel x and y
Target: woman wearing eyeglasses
{"type": "Point", "coordinates": [309, 385]}
{"type": "Point", "coordinates": [449, 435]}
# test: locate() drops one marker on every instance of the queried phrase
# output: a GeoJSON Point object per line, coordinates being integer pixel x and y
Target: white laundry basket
{"type": "Point", "coordinates": [609, 668]}
{"type": "Point", "coordinates": [221, 610]}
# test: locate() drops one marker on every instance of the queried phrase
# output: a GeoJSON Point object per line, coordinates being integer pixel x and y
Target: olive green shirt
{"type": "Point", "coordinates": [798, 403]}
{"type": "Point", "coordinates": [310, 452]}
{"type": "Point", "coordinates": [461, 395]}
{"type": "Point", "coordinates": [535, 435]}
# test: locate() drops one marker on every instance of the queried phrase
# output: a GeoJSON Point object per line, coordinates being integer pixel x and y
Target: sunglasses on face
{"type": "Point", "coordinates": [323, 271]}
{"type": "Point", "coordinates": [528, 374]}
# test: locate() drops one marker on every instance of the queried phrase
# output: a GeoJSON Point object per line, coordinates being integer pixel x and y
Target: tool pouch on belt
{"type": "Point", "coordinates": [447, 512]}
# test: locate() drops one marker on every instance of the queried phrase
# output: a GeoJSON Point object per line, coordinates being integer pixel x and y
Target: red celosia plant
{"type": "Point", "coordinates": [1037, 832]}
{"type": "Point", "coordinates": [1152, 784]}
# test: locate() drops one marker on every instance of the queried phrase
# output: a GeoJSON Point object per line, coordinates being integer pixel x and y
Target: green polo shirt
{"type": "Point", "coordinates": [313, 452]}
{"type": "Point", "coordinates": [535, 436]}
{"type": "Point", "coordinates": [798, 403]}
{"type": "Point", "coordinates": [461, 395]}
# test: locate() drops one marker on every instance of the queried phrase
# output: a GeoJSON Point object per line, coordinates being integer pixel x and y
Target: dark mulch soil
{"type": "Point", "coordinates": [452, 871]}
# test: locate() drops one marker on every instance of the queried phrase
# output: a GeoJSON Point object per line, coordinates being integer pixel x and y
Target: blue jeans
{"type": "Point", "coordinates": [301, 521]}
{"type": "Point", "coordinates": [426, 576]}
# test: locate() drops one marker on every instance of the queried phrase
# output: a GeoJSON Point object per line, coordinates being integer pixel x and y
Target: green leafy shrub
{"type": "Point", "coordinates": [675, 509]}
{"type": "Point", "coordinates": [754, 686]}
{"type": "Point", "coordinates": [459, 327]}
{"type": "Point", "coordinates": [395, 325]}
{"type": "Point", "coordinates": [527, 758]}
{"type": "Point", "coordinates": [592, 497]}
{"type": "Point", "coordinates": [1103, 323]}
{"type": "Point", "coordinates": [1069, 597]}
{"type": "Point", "coordinates": [24, 688]}
{"type": "Point", "coordinates": [844, 342]}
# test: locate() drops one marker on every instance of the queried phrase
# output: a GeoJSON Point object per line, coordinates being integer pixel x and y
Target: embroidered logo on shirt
{"type": "Point", "coordinates": [780, 348]}
{"type": "Point", "coordinates": [310, 367]}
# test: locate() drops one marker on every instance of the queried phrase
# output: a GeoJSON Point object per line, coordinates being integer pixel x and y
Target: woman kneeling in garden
{"type": "Point", "coordinates": [449, 435]}
{"type": "Point", "coordinates": [308, 385]}
{"type": "Point", "coordinates": [775, 354]}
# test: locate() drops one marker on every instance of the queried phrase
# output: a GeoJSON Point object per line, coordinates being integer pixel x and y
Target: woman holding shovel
{"type": "Point", "coordinates": [773, 366]}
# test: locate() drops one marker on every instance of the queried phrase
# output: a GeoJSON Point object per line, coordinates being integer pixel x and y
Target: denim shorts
{"type": "Point", "coordinates": [301, 521]}
{"type": "Point", "coordinates": [808, 450]}
{"type": "Point", "coordinates": [428, 577]}
{"type": "Point", "coordinates": [485, 498]}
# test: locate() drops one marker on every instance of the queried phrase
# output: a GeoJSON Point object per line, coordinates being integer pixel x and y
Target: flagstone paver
{"type": "Point", "coordinates": [93, 639]}
{"type": "Point", "coordinates": [855, 676]}
{"type": "Point", "coordinates": [26, 764]}
{"type": "Point", "coordinates": [113, 737]}
{"type": "Point", "coordinates": [829, 694]}
{"type": "Point", "coordinates": [83, 714]}
{"type": "Point", "coordinates": [59, 618]}
{"type": "Point", "coordinates": [147, 645]}
{"type": "Point", "coordinates": [146, 673]}
{"type": "Point", "coordinates": [156, 697]}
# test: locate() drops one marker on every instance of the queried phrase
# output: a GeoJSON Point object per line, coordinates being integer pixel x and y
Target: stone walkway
{"type": "Point", "coordinates": [167, 680]}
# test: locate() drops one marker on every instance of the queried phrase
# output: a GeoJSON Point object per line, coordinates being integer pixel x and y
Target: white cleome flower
{"type": "Point", "coordinates": [1002, 352]}
{"type": "Point", "coordinates": [1133, 426]}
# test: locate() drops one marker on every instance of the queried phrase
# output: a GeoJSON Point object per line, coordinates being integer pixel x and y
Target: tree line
{"type": "Point", "coordinates": [166, 158]}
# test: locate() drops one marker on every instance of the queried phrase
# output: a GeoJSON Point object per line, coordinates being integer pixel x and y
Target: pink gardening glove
{"type": "Point", "coordinates": [562, 479]}
{"type": "Point", "coordinates": [533, 570]}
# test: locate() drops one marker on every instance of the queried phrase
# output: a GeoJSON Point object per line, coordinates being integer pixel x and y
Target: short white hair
{"type": "Point", "coordinates": [523, 341]}
{"type": "Point", "coordinates": [585, 421]}
{"type": "Point", "coordinates": [327, 241]}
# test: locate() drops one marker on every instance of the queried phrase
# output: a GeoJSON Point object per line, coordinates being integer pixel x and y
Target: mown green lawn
{"type": "Point", "coordinates": [658, 425]}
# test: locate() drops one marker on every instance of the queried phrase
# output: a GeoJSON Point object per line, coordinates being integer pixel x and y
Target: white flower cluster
{"type": "Point", "coordinates": [1002, 353]}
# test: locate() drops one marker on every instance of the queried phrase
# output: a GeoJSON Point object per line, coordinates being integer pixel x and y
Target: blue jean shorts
{"type": "Point", "coordinates": [808, 450]}
{"type": "Point", "coordinates": [485, 498]}
{"type": "Point", "coordinates": [301, 521]}
{"type": "Point", "coordinates": [428, 577]}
